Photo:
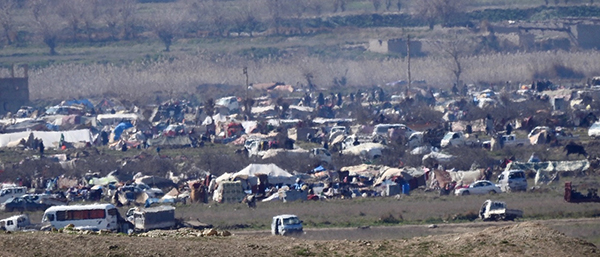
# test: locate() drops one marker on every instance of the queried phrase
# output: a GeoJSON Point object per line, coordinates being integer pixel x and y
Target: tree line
{"type": "Point", "coordinates": [72, 21]}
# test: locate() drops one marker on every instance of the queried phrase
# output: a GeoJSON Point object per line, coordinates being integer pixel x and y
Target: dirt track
{"type": "Point", "coordinates": [409, 231]}
{"type": "Point", "coordinates": [514, 239]}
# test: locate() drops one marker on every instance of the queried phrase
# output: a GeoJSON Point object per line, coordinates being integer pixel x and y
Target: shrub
{"type": "Point", "coordinates": [390, 219]}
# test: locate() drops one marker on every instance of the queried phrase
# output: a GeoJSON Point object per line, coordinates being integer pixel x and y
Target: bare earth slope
{"type": "Point", "coordinates": [523, 239]}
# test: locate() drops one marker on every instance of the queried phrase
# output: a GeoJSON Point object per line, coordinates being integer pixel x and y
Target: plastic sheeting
{"type": "Point", "coordinates": [49, 137]}
{"type": "Point", "coordinates": [120, 128]}
{"type": "Point", "coordinates": [546, 172]}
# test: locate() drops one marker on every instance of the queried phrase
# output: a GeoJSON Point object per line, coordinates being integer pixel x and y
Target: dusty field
{"type": "Point", "coordinates": [521, 239]}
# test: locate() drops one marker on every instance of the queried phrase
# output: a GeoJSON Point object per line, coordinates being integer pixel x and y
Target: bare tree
{"type": "Point", "coordinates": [246, 17]}
{"type": "Point", "coordinates": [443, 11]}
{"type": "Point", "coordinates": [165, 25]}
{"type": "Point", "coordinates": [119, 16]}
{"type": "Point", "coordinates": [427, 11]}
{"type": "Point", "coordinates": [47, 22]}
{"type": "Point", "coordinates": [91, 13]}
{"type": "Point", "coordinates": [455, 49]}
{"type": "Point", "coordinates": [275, 8]}
{"type": "Point", "coordinates": [72, 12]}
{"type": "Point", "coordinates": [7, 14]}
{"type": "Point", "coordinates": [214, 13]}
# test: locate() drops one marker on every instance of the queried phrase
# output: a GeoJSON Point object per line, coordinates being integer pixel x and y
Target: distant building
{"type": "Point", "coordinates": [397, 45]}
{"type": "Point", "coordinates": [14, 93]}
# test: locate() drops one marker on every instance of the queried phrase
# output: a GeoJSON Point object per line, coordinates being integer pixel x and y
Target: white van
{"type": "Point", "coordinates": [512, 180]}
{"type": "Point", "coordinates": [15, 223]}
{"type": "Point", "coordinates": [11, 192]}
{"type": "Point", "coordinates": [382, 129]}
{"type": "Point", "coordinates": [85, 217]}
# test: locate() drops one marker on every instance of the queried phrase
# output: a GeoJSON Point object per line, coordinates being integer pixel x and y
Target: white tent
{"type": "Point", "coordinates": [111, 119]}
{"type": "Point", "coordinates": [275, 174]}
{"type": "Point", "coordinates": [50, 138]}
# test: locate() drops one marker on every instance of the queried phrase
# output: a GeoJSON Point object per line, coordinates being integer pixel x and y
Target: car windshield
{"type": "Point", "coordinates": [291, 221]}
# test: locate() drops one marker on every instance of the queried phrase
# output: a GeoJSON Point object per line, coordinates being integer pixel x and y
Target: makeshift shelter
{"type": "Point", "coordinates": [171, 141]}
{"type": "Point", "coordinates": [440, 178]}
{"type": "Point", "coordinates": [275, 174]}
{"type": "Point", "coordinates": [155, 181]}
{"type": "Point", "coordinates": [49, 137]}
{"type": "Point", "coordinates": [546, 172]}
{"type": "Point", "coordinates": [436, 157]}
{"type": "Point", "coordinates": [365, 170]}
{"type": "Point", "coordinates": [110, 119]}
{"type": "Point", "coordinates": [120, 128]}
{"type": "Point", "coordinates": [25, 125]}
{"type": "Point", "coordinates": [414, 176]}
{"type": "Point", "coordinates": [229, 192]}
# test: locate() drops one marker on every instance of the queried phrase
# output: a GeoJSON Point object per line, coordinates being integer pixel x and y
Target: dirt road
{"type": "Point", "coordinates": [488, 239]}
{"type": "Point", "coordinates": [410, 231]}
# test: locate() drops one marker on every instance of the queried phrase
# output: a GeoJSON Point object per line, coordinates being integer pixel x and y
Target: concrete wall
{"type": "Point", "coordinates": [14, 93]}
{"type": "Point", "coordinates": [394, 46]}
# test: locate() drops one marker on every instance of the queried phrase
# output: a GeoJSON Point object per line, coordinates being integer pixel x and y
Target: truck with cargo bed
{"type": "Point", "coordinates": [145, 219]}
{"type": "Point", "coordinates": [496, 211]}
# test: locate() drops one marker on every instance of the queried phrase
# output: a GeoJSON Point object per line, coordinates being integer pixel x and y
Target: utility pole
{"type": "Point", "coordinates": [246, 73]}
{"type": "Point", "coordinates": [246, 100]}
{"type": "Point", "coordinates": [408, 70]}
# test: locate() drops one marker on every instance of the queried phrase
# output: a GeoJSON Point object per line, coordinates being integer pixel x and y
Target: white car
{"type": "Point", "coordinates": [594, 130]}
{"type": "Point", "coordinates": [479, 187]}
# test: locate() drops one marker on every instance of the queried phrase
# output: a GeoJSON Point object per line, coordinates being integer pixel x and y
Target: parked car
{"type": "Point", "coordinates": [286, 224]}
{"type": "Point", "coordinates": [594, 130]}
{"type": "Point", "coordinates": [508, 140]}
{"type": "Point", "coordinates": [22, 204]}
{"type": "Point", "coordinates": [479, 187]}
{"type": "Point", "coordinates": [512, 180]}
{"type": "Point", "coordinates": [457, 139]}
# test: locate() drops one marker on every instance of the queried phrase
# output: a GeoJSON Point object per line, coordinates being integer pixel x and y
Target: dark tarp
{"type": "Point", "coordinates": [174, 141]}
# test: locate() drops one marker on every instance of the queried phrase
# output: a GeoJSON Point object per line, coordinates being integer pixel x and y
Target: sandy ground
{"type": "Point", "coordinates": [512, 239]}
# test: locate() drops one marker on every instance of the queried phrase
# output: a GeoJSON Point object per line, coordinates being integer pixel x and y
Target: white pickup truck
{"type": "Point", "coordinates": [496, 210]}
{"type": "Point", "coordinates": [458, 139]}
{"type": "Point", "coordinates": [508, 140]}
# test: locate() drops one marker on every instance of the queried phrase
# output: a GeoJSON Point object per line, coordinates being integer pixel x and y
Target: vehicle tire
{"type": "Point", "coordinates": [465, 193]}
{"type": "Point", "coordinates": [492, 192]}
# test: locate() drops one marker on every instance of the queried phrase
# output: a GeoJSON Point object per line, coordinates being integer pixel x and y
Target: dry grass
{"type": "Point", "coordinates": [183, 73]}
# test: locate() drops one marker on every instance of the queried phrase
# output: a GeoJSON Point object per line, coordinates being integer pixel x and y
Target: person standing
{"type": "Point", "coordinates": [41, 146]}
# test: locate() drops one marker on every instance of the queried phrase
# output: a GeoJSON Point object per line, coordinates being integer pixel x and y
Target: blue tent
{"type": "Point", "coordinates": [120, 128]}
{"type": "Point", "coordinates": [84, 102]}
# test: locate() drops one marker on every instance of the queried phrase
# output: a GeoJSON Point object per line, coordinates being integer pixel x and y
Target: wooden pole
{"type": "Point", "coordinates": [408, 56]}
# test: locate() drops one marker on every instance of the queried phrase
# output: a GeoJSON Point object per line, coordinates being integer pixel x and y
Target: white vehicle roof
{"type": "Point", "coordinates": [285, 216]}
{"type": "Point", "coordinates": [81, 207]}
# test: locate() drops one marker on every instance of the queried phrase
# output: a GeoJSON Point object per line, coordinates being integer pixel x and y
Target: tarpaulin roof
{"type": "Point", "coordinates": [109, 119]}
{"type": "Point", "coordinates": [49, 137]}
{"type": "Point", "coordinates": [165, 140]}
{"type": "Point", "coordinates": [546, 170]}
{"type": "Point", "coordinates": [406, 173]}
{"type": "Point", "coordinates": [120, 128]}
{"type": "Point", "coordinates": [365, 170]}
{"type": "Point", "coordinates": [275, 173]}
